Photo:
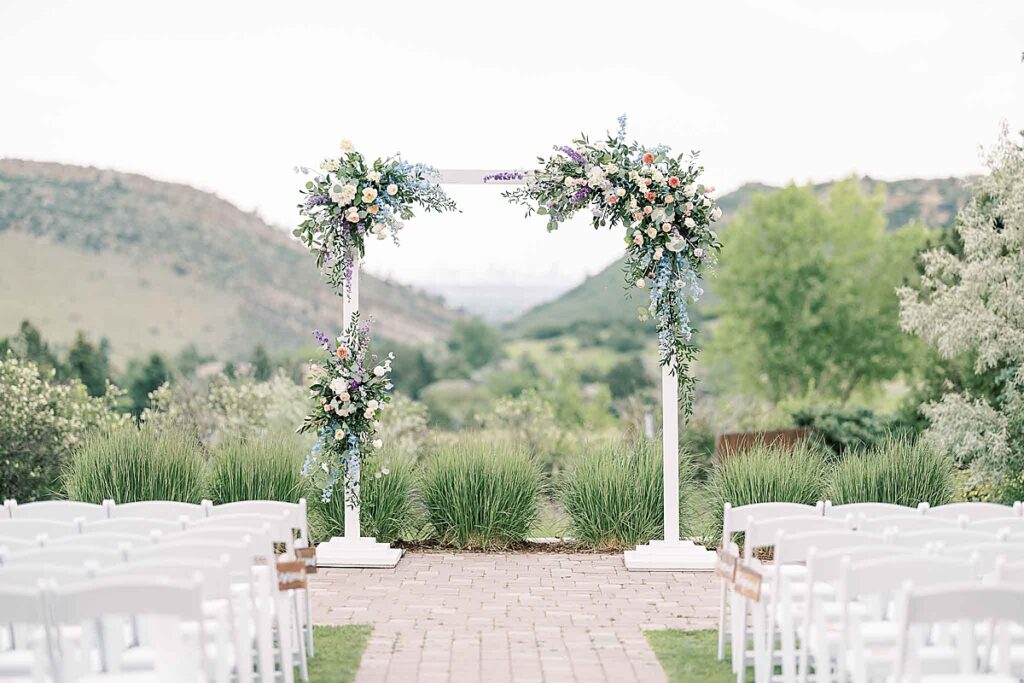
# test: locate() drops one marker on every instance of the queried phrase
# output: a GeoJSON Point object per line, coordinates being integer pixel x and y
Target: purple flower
{"type": "Point", "coordinates": [580, 195]}
{"type": "Point", "coordinates": [322, 339]}
{"type": "Point", "coordinates": [573, 154]}
{"type": "Point", "coordinates": [504, 175]}
{"type": "Point", "coordinates": [317, 199]}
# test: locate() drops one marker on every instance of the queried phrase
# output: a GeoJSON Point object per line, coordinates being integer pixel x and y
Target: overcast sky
{"type": "Point", "coordinates": [229, 96]}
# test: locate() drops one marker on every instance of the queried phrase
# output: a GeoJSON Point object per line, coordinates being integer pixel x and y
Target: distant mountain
{"type": "Point", "coordinates": [602, 300]}
{"type": "Point", "coordinates": [156, 266]}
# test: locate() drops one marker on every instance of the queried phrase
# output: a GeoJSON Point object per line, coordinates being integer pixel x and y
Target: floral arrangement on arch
{"type": "Point", "coordinates": [352, 198]}
{"type": "Point", "coordinates": [349, 390]}
{"type": "Point", "coordinates": [668, 214]}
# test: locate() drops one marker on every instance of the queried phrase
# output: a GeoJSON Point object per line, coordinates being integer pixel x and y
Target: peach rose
{"type": "Point", "coordinates": [648, 159]}
{"type": "Point", "coordinates": [343, 352]}
{"type": "Point", "coordinates": [673, 181]}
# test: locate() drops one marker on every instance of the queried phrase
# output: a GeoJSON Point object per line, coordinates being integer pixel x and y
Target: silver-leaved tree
{"type": "Point", "coordinates": [972, 304]}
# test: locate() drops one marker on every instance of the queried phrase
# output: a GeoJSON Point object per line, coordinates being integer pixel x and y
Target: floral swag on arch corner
{"type": "Point", "coordinates": [666, 210]}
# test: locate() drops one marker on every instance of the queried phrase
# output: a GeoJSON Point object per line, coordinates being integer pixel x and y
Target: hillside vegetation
{"type": "Point", "coordinates": [601, 300]}
{"type": "Point", "coordinates": [157, 266]}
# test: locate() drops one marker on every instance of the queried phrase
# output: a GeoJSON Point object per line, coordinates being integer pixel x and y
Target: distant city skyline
{"type": "Point", "coordinates": [229, 97]}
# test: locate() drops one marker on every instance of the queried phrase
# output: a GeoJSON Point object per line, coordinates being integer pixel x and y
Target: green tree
{"type": "Point", "coordinates": [806, 294]}
{"type": "Point", "coordinates": [145, 378]}
{"type": "Point", "coordinates": [476, 342]}
{"type": "Point", "coordinates": [261, 365]}
{"type": "Point", "coordinates": [90, 363]}
{"type": "Point", "coordinates": [28, 344]}
{"type": "Point", "coordinates": [627, 377]}
{"type": "Point", "coordinates": [412, 369]}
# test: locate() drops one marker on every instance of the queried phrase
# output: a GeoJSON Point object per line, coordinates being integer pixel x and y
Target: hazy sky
{"type": "Point", "coordinates": [229, 96]}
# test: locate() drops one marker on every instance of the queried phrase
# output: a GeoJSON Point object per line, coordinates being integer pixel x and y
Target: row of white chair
{"type": "Point", "coordinates": [982, 518]}
{"type": "Point", "coordinates": [266, 625]}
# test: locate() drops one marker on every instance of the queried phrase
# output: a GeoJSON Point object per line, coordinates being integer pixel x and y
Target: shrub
{"type": "Point", "coordinates": [41, 422]}
{"type": "Point", "coordinates": [127, 464]}
{"type": "Point", "coordinates": [386, 503]}
{"type": "Point", "coordinates": [900, 470]}
{"type": "Point", "coordinates": [614, 496]}
{"type": "Point", "coordinates": [764, 474]}
{"type": "Point", "coordinates": [845, 429]}
{"type": "Point", "coordinates": [264, 467]}
{"type": "Point", "coordinates": [481, 494]}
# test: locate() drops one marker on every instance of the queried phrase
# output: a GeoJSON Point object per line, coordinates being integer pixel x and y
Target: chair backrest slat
{"type": "Point", "coordinates": [31, 528]}
{"type": "Point", "coordinates": [156, 509]}
{"type": "Point", "coordinates": [736, 519]}
{"type": "Point", "coordinates": [870, 510]}
{"type": "Point", "coordinates": [906, 523]}
{"type": "Point", "coordinates": [57, 510]}
{"type": "Point", "coordinates": [973, 511]}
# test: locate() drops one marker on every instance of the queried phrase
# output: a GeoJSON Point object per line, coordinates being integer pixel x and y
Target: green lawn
{"type": "Point", "coordinates": [690, 656]}
{"type": "Point", "coordinates": [338, 651]}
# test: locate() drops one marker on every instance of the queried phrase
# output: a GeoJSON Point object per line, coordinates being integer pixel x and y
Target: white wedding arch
{"type": "Point", "coordinates": [670, 553]}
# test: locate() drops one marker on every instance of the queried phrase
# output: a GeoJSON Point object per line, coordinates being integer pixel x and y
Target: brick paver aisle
{"type": "Point", "coordinates": [464, 617]}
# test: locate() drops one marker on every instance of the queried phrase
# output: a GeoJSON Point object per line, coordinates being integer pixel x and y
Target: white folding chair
{"type": "Point", "coordinates": [298, 519]}
{"type": "Point", "coordinates": [106, 613]}
{"type": "Point", "coordinates": [14, 544]}
{"type": "Point", "coordinates": [940, 537]}
{"type": "Point", "coordinates": [26, 651]}
{"type": "Point", "coordinates": [870, 510]}
{"type": "Point", "coordinates": [223, 630]}
{"type": "Point", "coordinates": [868, 633]}
{"type": "Point", "coordinates": [100, 540]}
{"type": "Point", "coordinates": [1011, 525]}
{"type": "Point", "coordinates": [33, 528]}
{"type": "Point", "coordinates": [974, 511]}
{"type": "Point", "coordinates": [821, 609]}
{"type": "Point", "coordinates": [734, 521]}
{"type": "Point", "coordinates": [156, 509]}
{"type": "Point", "coordinates": [72, 556]}
{"type": "Point", "coordinates": [57, 510]}
{"type": "Point", "coordinates": [907, 523]}
{"type": "Point", "coordinates": [787, 607]}
{"type": "Point", "coordinates": [966, 606]}
{"type": "Point", "coordinates": [29, 575]}
{"type": "Point", "coordinates": [987, 555]}
{"type": "Point", "coordinates": [139, 526]}
{"type": "Point", "coordinates": [762, 534]}
{"type": "Point", "coordinates": [5, 511]}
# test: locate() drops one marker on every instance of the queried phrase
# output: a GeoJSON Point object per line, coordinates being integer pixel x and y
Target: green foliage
{"type": "Point", "coordinates": [898, 470]}
{"type": "Point", "coordinates": [145, 378]}
{"type": "Point", "coordinates": [454, 403]}
{"type": "Point", "coordinates": [127, 464]}
{"type": "Point", "coordinates": [845, 429]}
{"type": "Point", "coordinates": [475, 341]}
{"type": "Point", "coordinates": [690, 657]}
{"type": "Point", "coordinates": [90, 363]}
{"type": "Point", "coordinates": [387, 506]}
{"type": "Point", "coordinates": [412, 368]}
{"type": "Point", "coordinates": [528, 420]}
{"type": "Point", "coordinates": [339, 649]}
{"type": "Point", "coordinates": [41, 422]}
{"type": "Point", "coordinates": [261, 365]}
{"type": "Point", "coordinates": [765, 474]}
{"type": "Point", "coordinates": [480, 494]}
{"type": "Point", "coordinates": [627, 377]}
{"type": "Point", "coordinates": [261, 467]}
{"type": "Point", "coordinates": [614, 496]}
{"type": "Point", "coordinates": [806, 294]}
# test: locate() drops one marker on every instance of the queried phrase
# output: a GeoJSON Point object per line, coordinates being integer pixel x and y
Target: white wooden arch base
{"type": "Point", "coordinates": [670, 554]}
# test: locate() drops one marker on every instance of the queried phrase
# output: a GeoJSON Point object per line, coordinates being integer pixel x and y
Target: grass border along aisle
{"type": "Point", "coordinates": [690, 657]}
{"type": "Point", "coordinates": [339, 649]}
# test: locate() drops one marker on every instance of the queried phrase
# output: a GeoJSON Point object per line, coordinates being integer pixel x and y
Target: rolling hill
{"type": "Point", "coordinates": [155, 266]}
{"type": "Point", "coordinates": [601, 300]}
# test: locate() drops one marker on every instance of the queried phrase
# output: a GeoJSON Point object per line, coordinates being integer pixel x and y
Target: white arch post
{"type": "Point", "coordinates": [672, 553]}
{"type": "Point", "coordinates": [353, 549]}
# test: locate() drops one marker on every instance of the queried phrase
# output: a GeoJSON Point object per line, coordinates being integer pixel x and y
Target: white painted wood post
{"type": "Point", "coordinates": [672, 553]}
{"type": "Point", "coordinates": [350, 308]}
{"type": "Point", "coordinates": [670, 451]}
{"type": "Point", "coordinates": [353, 549]}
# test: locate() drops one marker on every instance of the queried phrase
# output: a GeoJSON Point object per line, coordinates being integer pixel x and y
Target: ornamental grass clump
{"type": "Point", "coordinates": [614, 495]}
{"type": "Point", "coordinates": [387, 505]}
{"type": "Point", "coordinates": [263, 467]}
{"type": "Point", "coordinates": [127, 464]}
{"type": "Point", "coordinates": [900, 470]}
{"type": "Point", "coordinates": [765, 474]}
{"type": "Point", "coordinates": [481, 494]}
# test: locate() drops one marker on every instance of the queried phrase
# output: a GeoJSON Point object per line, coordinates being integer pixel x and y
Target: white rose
{"type": "Point", "coordinates": [676, 244]}
{"type": "Point", "coordinates": [716, 213]}
{"type": "Point", "coordinates": [372, 404]}
{"type": "Point", "coordinates": [640, 283]}
{"type": "Point", "coordinates": [344, 396]}
{"type": "Point", "coordinates": [369, 194]}
{"type": "Point", "coordinates": [339, 434]}
{"type": "Point", "coordinates": [373, 175]}
{"type": "Point", "coordinates": [346, 145]}
{"type": "Point", "coordinates": [620, 192]}
{"type": "Point", "coordinates": [377, 443]}
{"type": "Point", "coordinates": [392, 189]}
{"type": "Point", "coordinates": [379, 371]}
{"type": "Point", "coordinates": [658, 253]}
{"type": "Point", "coordinates": [338, 386]}
{"type": "Point", "coordinates": [657, 176]}
{"type": "Point", "coordinates": [698, 252]}
{"type": "Point", "coordinates": [689, 222]}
